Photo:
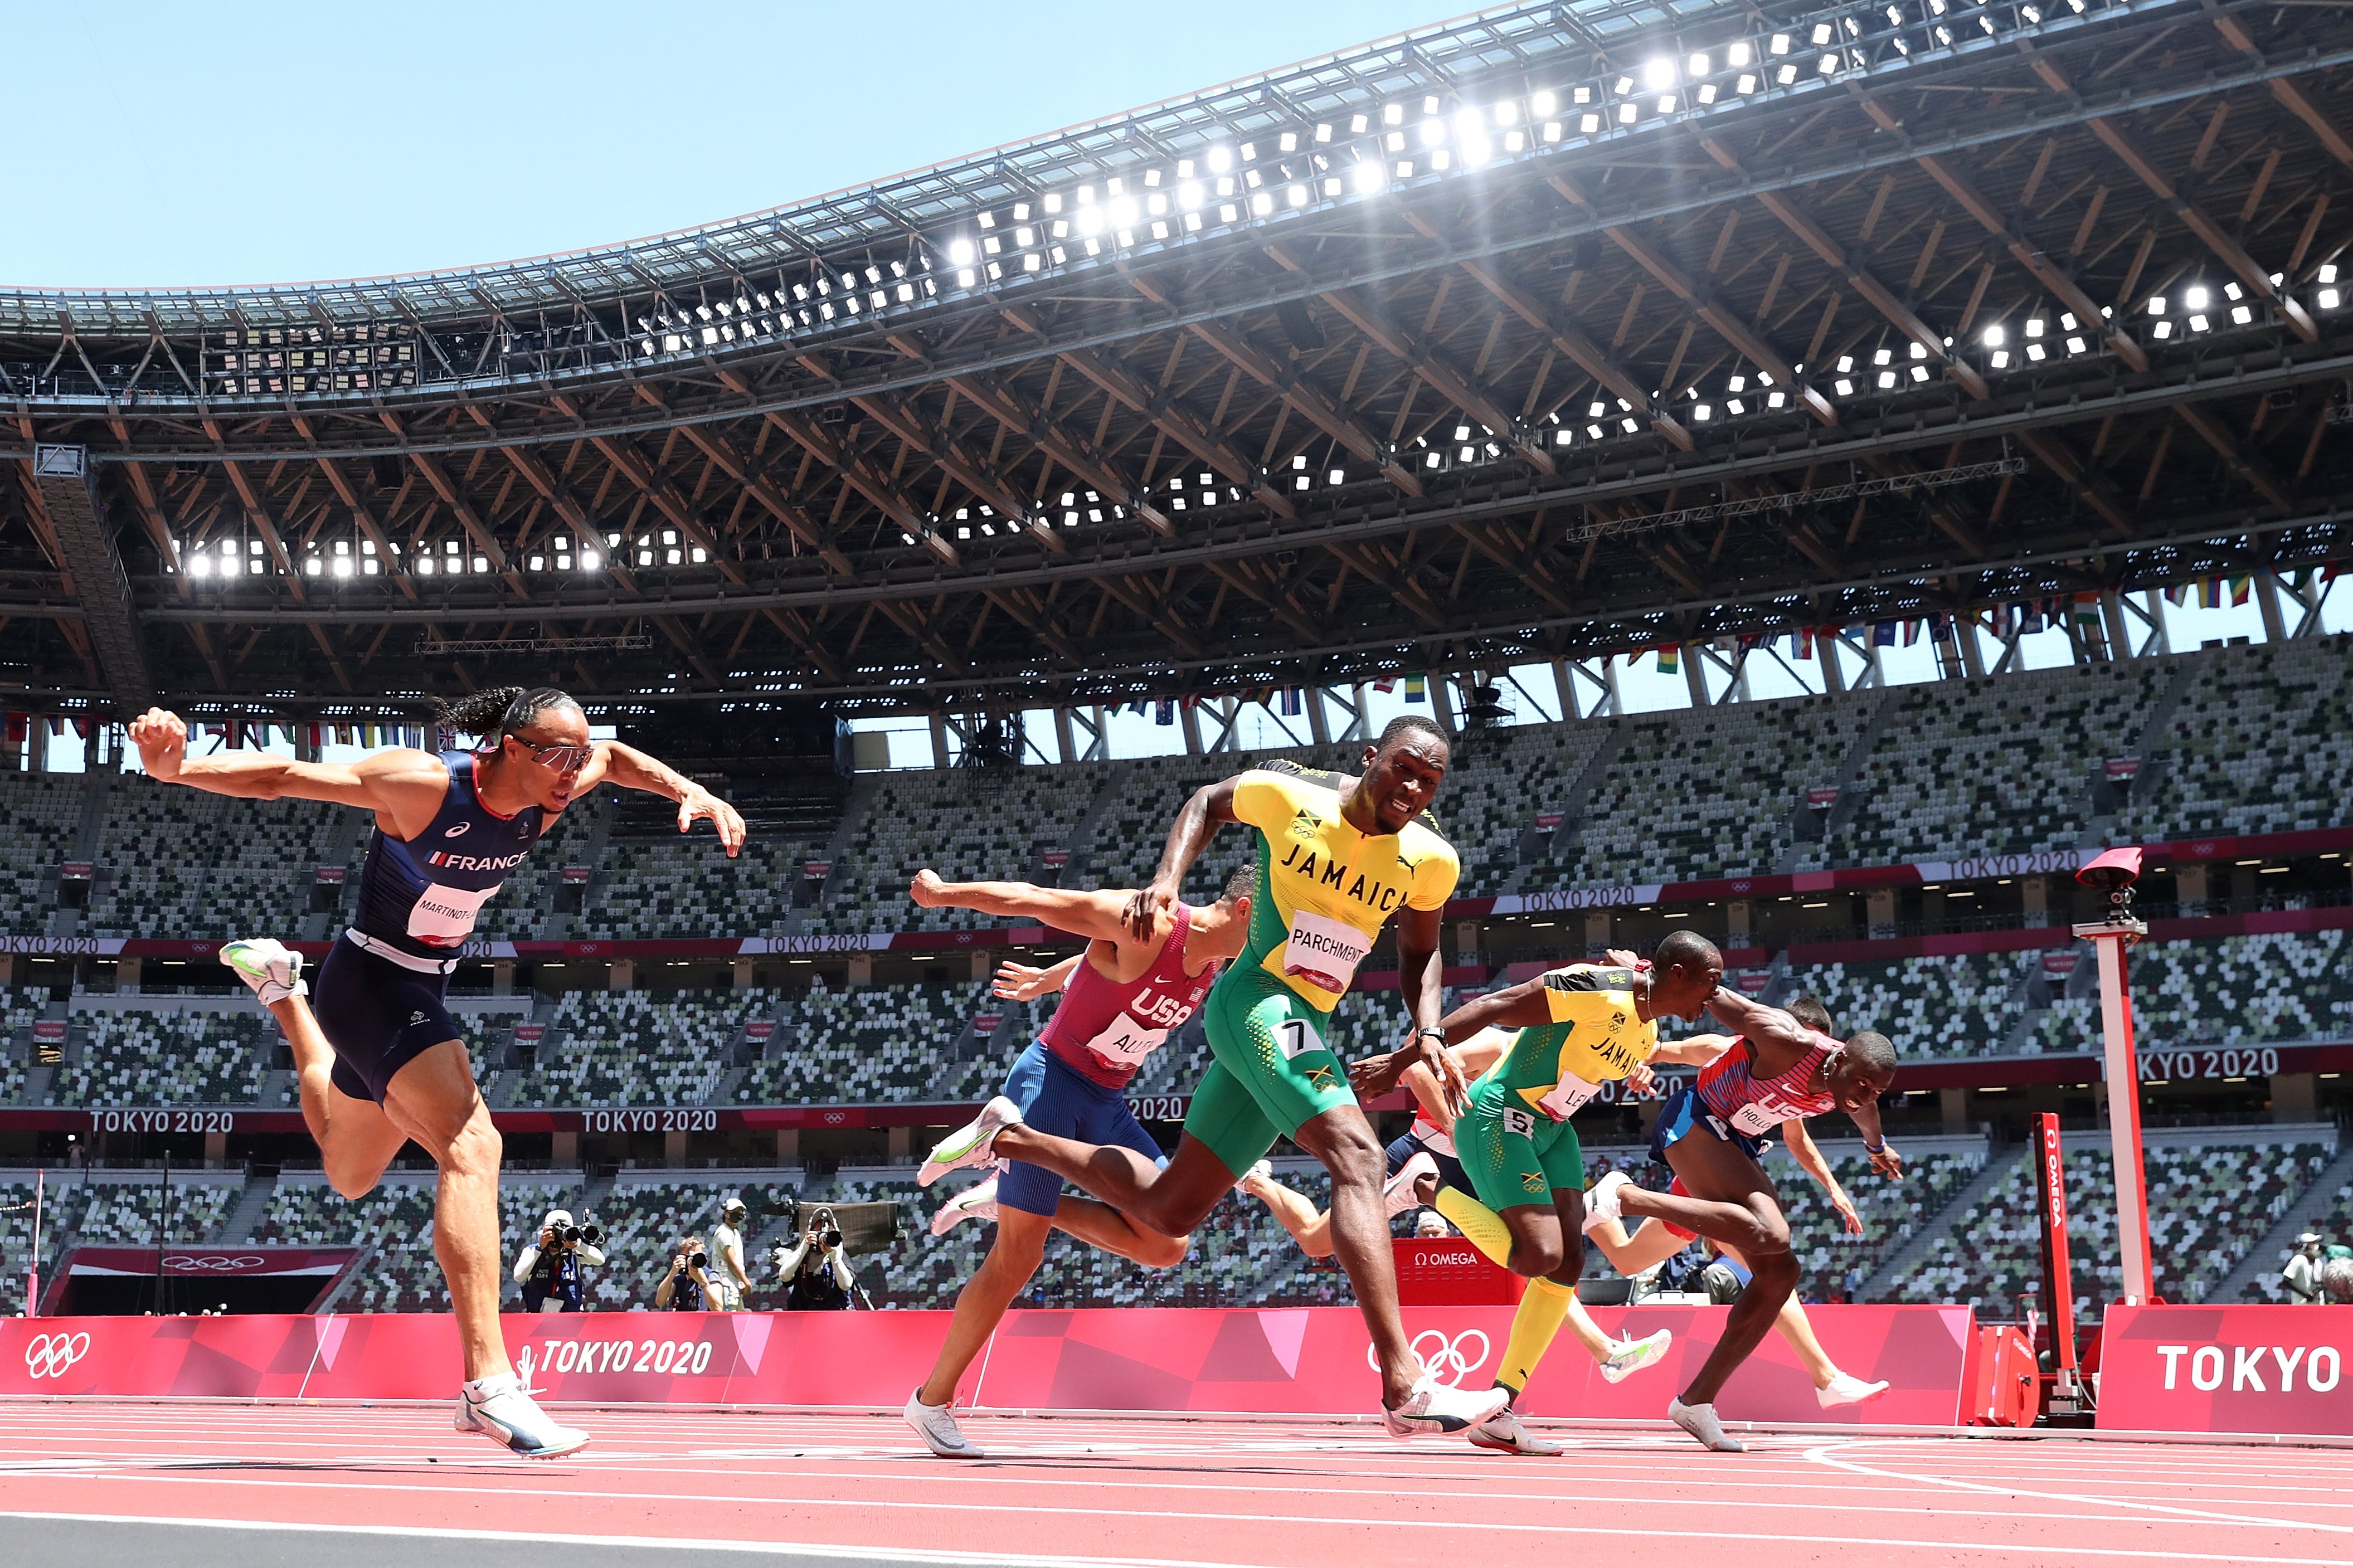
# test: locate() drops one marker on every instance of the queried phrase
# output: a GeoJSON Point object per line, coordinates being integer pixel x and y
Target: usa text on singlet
{"type": "Point", "coordinates": [1104, 1029]}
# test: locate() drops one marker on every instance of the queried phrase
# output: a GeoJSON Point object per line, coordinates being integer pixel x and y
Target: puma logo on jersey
{"type": "Point", "coordinates": [459, 831]}
{"type": "Point", "coordinates": [416, 1017]}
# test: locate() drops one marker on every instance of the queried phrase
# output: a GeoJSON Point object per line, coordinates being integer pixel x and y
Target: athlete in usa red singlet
{"type": "Point", "coordinates": [1711, 1134]}
{"type": "Point", "coordinates": [1122, 998]}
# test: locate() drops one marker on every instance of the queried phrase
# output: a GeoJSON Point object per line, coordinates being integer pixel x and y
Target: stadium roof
{"type": "Point", "coordinates": [1553, 331]}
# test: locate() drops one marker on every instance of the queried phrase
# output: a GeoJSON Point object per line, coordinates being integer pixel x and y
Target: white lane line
{"type": "Point", "coordinates": [824, 1554]}
{"type": "Point", "coordinates": [1828, 1455]}
{"type": "Point", "coordinates": [1095, 1511]}
{"type": "Point", "coordinates": [2037, 1550]}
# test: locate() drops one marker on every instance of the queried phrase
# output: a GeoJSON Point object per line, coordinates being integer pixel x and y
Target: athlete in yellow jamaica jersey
{"type": "Point", "coordinates": [1338, 859]}
{"type": "Point", "coordinates": [1580, 1026]}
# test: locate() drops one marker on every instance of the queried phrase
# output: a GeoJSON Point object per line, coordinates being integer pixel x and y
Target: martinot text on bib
{"type": "Point", "coordinates": [445, 916]}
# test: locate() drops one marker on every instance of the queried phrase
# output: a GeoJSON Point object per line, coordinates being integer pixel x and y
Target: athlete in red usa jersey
{"type": "Point", "coordinates": [1121, 1001]}
{"type": "Point", "coordinates": [1710, 1135]}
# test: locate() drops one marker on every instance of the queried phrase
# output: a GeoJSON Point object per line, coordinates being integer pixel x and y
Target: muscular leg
{"type": "Point", "coordinates": [1794, 1327]}
{"type": "Point", "coordinates": [1106, 1229]}
{"type": "Point", "coordinates": [1020, 1246]}
{"type": "Point", "coordinates": [1736, 1207]}
{"type": "Point", "coordinates": [1344, 1141]}
{"type": "Point", "coordinates": [1309, 1226]}
{"type": "Point", "coordinates": [1173, 1201]}
{"type": "Point", "coordinates": [356, 1141]}
{"type": "Point", "coordinates": [432, 1099]}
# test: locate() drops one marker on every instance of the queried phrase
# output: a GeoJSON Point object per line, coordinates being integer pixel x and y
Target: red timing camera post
{"type": "Point", "coordinates": [2114, 872]}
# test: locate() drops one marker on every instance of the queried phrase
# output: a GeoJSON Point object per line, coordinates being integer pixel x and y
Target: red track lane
{"type": "Point", "coordinates": [1191, 1491]}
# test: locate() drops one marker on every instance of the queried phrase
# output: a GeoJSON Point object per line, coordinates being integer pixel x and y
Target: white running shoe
{"type": "Point", "coordinates": [508, 1416]}
{"type": "Point", "coordinates": [1700, 1421]}
{"type": "Point", "coordinates": [1845, 1389]}
{"type": "Point", "coordinates": [1630, 1356]}
{"type": "Point", "coordinates": [269, 967]}
{"type": "Point", "coordinates": [935, 1425]}
{"type": "Point", "coordinates": [977, 1201]}
{"type": "Point", "coordinates": [1259, 1171]}
{"type": "Point", "coordinates": [1397, 1196]}
{"type": "Point", "coordinates": [1504, 1433]}
{"type": "Point", "coordinates": [973, 1143]}
{"type": "Point", "coordinates": [1434, 1407]}
{"type": "Point", "coordinates": [1601, 1203]}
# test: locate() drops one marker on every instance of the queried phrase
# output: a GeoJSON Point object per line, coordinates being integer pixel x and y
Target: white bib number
{"type": "Point", "coordinates": [1324, 952]}
{"type": "Point", "coordinates": [1567, 1095]}
{"type": "Point", "coordinates": [1765, 1115]}
{"type": "Point", "coordinates": [1126, 1042]}
{"type": "Point", "coordinates": [444, 916]}
{"type": "Point", "coordinates": [1293, 1035]}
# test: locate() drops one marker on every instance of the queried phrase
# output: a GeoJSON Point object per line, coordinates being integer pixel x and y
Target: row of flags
{"type": "Point", "coordinates": [1290, 701]}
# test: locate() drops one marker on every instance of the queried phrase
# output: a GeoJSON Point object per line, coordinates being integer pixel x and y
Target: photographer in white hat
{"type": "Point", "coordinates": [728, 1278]}
{"type": "Point", "coordinates": [2302, 1273]}
{"type": "Point", "coordinates": [549, 1270]}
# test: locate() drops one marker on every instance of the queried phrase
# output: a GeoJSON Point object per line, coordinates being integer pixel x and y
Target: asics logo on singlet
{"type": "Point", "coordinates": [1450, 1360]}
{"type": "Point", "coordinates": [50, 1356]}
{"type": "Point", "coordinates": [477, 862]}
{"type": "Point", "coordinates": [459, 831]}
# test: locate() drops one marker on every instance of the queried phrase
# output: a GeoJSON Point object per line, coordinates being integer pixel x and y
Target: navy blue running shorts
{"type": "Point", "coordinates": [378, 1015]}
{"type": "Point", "coordinates": [1058, 1100]}
{"type": "Point", "coordinates": [1451, 1173]}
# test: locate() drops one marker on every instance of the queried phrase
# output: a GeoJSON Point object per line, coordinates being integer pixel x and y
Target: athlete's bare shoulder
{"type": "Point", "coordinates": [404, 784]}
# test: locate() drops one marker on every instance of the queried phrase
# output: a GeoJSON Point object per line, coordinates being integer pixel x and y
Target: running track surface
{"type": "Point", "coordinates": [244, 1487]}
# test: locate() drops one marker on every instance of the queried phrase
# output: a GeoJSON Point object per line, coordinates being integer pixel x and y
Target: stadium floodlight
{"type": "Point", "coordinates": [1779, 44]}
{"type": "Point", "coordinates": [2195, 299]}
{"type": "Point", "coordinates": [1660, 74]}
{"type": "Point", "coordinates": [1220, 159]}
{"type": "Point", "coordinates": [1541, 103]}
{"type": "Point", "coordinates": [1992, 337]}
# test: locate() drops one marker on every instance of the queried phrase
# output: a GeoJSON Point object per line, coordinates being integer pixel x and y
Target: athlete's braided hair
{"type": "Point", "coordinates": [499, 711]}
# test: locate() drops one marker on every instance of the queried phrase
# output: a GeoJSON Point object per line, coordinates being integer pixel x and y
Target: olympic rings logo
{"type": "Point", "coordinates": [50, 1355]}
{"type": "Point", "coordinates": [212, 1263]}
{"type": "Point", "coordinates": [1447, 1360]}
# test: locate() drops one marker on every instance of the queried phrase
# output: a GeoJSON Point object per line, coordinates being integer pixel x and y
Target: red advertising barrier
{"type": "Point", "coordinates": [1306, 1359]}
{"type": "Point", "coordinates": [2274, 1370]}
{"type": "Point", "coordinates": [1448, 1271]}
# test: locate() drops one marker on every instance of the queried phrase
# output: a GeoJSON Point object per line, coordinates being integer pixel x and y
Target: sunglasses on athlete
{"type": "Point", "coordinates": [563, 759]}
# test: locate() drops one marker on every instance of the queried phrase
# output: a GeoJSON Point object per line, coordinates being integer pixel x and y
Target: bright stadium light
{"type": "Point", "coordinates": [1660, 74]}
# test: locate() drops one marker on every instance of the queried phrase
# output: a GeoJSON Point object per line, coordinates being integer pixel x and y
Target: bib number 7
{"type": "Point", "coordinates": [1293, 1035]}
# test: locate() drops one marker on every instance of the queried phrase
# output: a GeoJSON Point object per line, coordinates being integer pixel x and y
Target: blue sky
{"type": "Point", "coordinates": [264, 142]}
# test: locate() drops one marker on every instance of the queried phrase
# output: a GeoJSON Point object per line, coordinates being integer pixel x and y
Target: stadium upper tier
{"type": "Point", "coordinates": [2229, 742]}
{"type": "Point", "coordinates": [1398, 359]}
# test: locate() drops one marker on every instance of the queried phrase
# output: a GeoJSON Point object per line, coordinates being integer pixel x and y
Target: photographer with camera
{"type": "Point", "coordinates": [686, 1285]}
{"type": "Point", "coordinates": [820, 1284]}
{"type": "Point", "coordinates": [727, 1257]}
{"type": "Point", "coordinates": [549, 1270]}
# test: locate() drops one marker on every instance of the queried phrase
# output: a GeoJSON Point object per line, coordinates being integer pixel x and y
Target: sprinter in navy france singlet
{"type": "Point", "coordinates": [379, 995]}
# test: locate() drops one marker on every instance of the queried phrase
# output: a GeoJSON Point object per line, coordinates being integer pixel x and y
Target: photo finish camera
{"type": "Point", "coordinates": [2114, 872]}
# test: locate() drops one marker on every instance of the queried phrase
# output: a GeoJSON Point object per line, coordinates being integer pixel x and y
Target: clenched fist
{"type": "Point", "coordinates": [162, 741]}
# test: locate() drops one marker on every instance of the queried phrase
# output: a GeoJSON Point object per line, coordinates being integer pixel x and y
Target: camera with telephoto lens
{"type": "Point", "coordinates": [572, 1234]}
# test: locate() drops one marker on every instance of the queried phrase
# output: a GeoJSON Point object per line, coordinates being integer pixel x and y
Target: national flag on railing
{"type": "Point", "coordinates": [1164, 712]}
{"type": "Point", "coordinates": [2175, 594]}
{"type": "Point", "coordinates": [2029, 619]}
{"type": "Point", "coordinates": [1670, 658]}
{"type": "Point", "coordinates": [1385, 687]}
{"type": "Point", "coordinates": [1802, 642]}
{"type": "Point", "coordinates": [1911, 631]}
{"type": "Point", "coordinates": [2210, 593]}
{"type": "Point", "coordinates": [1293, 702]}
{"type": "Point", "coordinates": [2087, 609]}
{"type": "Point", "coordinates": [1883, 634]}
{"type": "Point", "coordinates": [1417, 688]}
{"type": "Point", "coordinates": [2239, 587]}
